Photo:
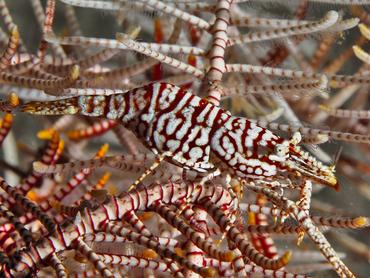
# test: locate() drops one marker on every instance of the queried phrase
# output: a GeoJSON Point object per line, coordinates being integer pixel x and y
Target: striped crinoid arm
{"type": "Point", "coordinates": [115, 45]}
{"type": "Point", "coordinates": [29, 206]}
{"type": "Point", "coordinates": [261, 241]}
{"type": "Point", "coordinates": [40, 83]}
{"type": "Point", "coordinates": [243, 245]}
{"type": "Point", "coordinates": [9, 22]}
{"type": "Point", "coordinates": [359, 52]}
{"type": "Point", "coordinates": [90, 221]}
{"type": "Point", "coordinates": [50, 156]}
{"type": "Point", "coordinates": [129, 262]}
{"type": "Point", "coordinates": [342, 222]}
{"type": "Point", "coordinates": [328, 21]}
{"type": "Point", "coordinates": [93, 258]}
{"type": "Point", "coordinates": [177, 64]}
{"type": "Point", "coordinates": [217, 50]}
{"type": "Point", "coordinates": [122, 162]}
{"type": "Point", "coordinates": [94, 130]}
{"type": "Point", "coordinates": [58, 266]}
{"type": "Point", "coordinates": [205, 245]}
{"type": "Point", "coordinates": [164, 252]}
{"type": "Point", "coordinates": [11, 49]}
{"type": "Point", "coordinates": [45, 20]}
{"type": "Point", "coordinates": [83, 64]}
{"type": "Point", "coordinates": [5, 126]}
{"type": "Point", "coordinates": [309, 227]}
{"type": "Point", "coordinates": [25, 233]}
{"type": "Point", "coordinates": [75, 181]}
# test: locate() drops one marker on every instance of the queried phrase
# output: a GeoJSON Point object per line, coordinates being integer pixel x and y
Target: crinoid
{"type": "Point", "coordinates": [211, 171]}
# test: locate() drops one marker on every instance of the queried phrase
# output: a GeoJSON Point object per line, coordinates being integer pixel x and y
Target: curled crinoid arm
{"type": "Point", "coordinates": [122, 162]}
{"type": "Point", "coordinates": [74, 182]}
{"type": "Point", "coordinates": [93, 258]}
{"type": "Point", "coordinates": [180, 225]}
{"type": "Point", "coordinates": [39, 83]}
{"type": "Point", "coordinates": [29, 206]}
{"type": "Point", "coordinates": [95, 129]}
{"type": "Point", "coordinates": [263, 242]}
{"type": "Point", "coordinates": [310, 229]}
{"type": "Point", "coordinates": [58, 266]}
{"type": "Point", "coordinates": [145, 241]}
{"type": "Point", "coordinates": [45, 20]}
{"type": "Point", "coordinates": [346, 113]}
{"type": "Point", "coordinates": [245, 247]}
{"type": "Point", "coordinates": [177, 64]}
{"type": "Point", "coordinates": [25, 234]}
{"type": "Point", "coordinates": [329, 20]}
{"type": "Point", "coordinates": [50, 156]}
{"type": "Point", "coordinates": [361, 54]}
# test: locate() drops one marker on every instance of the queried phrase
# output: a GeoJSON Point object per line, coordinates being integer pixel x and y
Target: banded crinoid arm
{"type": "Point", "coordinates": [308, 226]}
{"type": "Point", "coordinates": [115, 210]}
{"type": "Point", "coordinates": [28, 206]}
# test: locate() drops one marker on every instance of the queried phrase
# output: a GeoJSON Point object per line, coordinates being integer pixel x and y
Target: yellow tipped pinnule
{"type": "Point", "coordinates": [61, 145]}
{"type": "Point", "coordinates": [322, 138]}
{"type": "Point", "coordinates": [103, 150]}
{"type": "Point", "coordinates": [361, 222]}
{"type": "Point", "coordinates": [46, 134]}
{"type": "Point", "coordinates": [134, 31]}
{"type": "Point", "coordinates": [365, 31]}
{"type": "Point", "coordinates": [324, 107]}
{"type": "Point", "coordinates": [285, 259]}
{"type": "Point", "coordinates": [8, 117]}
{"type": "Point", "coordinates": [39, 167]}
{"type": "Point", "coordinates": [75, 72]}
{"type": "Point", "coordinates": [361, 54]}
{"type": "Point", "coordinates": [208, 272]}
{"type": "Point", "coordinates": [300, 238]}
{"type": "Point", "coordinates": [132, 34]}
{"type": "Point", "coordinates": [14, 32]}
{"type": "Point", "coordinates": [251, 218]}
{"type": "Point", "coordinates": [218, 241]}
{"type": "Point", "coordinates": [73, 134]}
{"type": "Point", "coordinates": [333, 182]}
{"type": "Point", "coordinates": [32, 196]}
{"type": "Point", "coordinates": [227, 256]}
{"type": "Point", "coordinates": [121, 37]}
{"type": "Point", "coordinates": [179, 252]}
{"type": "Point", "coordinates": [103, 180]}
{"type": "Point", "coordinates": [149, 254]}
{"type": "Point", "coordinates": [13, 99]}
{"type": "Point", "coordinates": [112, 190]}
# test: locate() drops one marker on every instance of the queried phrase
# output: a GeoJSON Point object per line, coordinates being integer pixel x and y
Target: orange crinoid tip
{"type": "Point", "coordinates": [13, 99]}
{"type": "Point", "coordinates": [361, 222]}
{"type": "Point", "coordinates": [208, 272]}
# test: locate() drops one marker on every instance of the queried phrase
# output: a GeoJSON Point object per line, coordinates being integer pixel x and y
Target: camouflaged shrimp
{"type": "Point", "coordinates": [186, 130]}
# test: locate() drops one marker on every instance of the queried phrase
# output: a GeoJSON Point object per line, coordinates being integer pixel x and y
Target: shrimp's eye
{"type": "Point", "coordinates": [280, 152]}
{"type": "Point", "coordinates": [282, 149]}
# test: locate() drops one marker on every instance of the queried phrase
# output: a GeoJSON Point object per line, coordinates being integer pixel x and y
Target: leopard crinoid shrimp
{"type": "Point", "coordinates": [185, 139]}
{"type": "Point", "coordinates": [188, 130]}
